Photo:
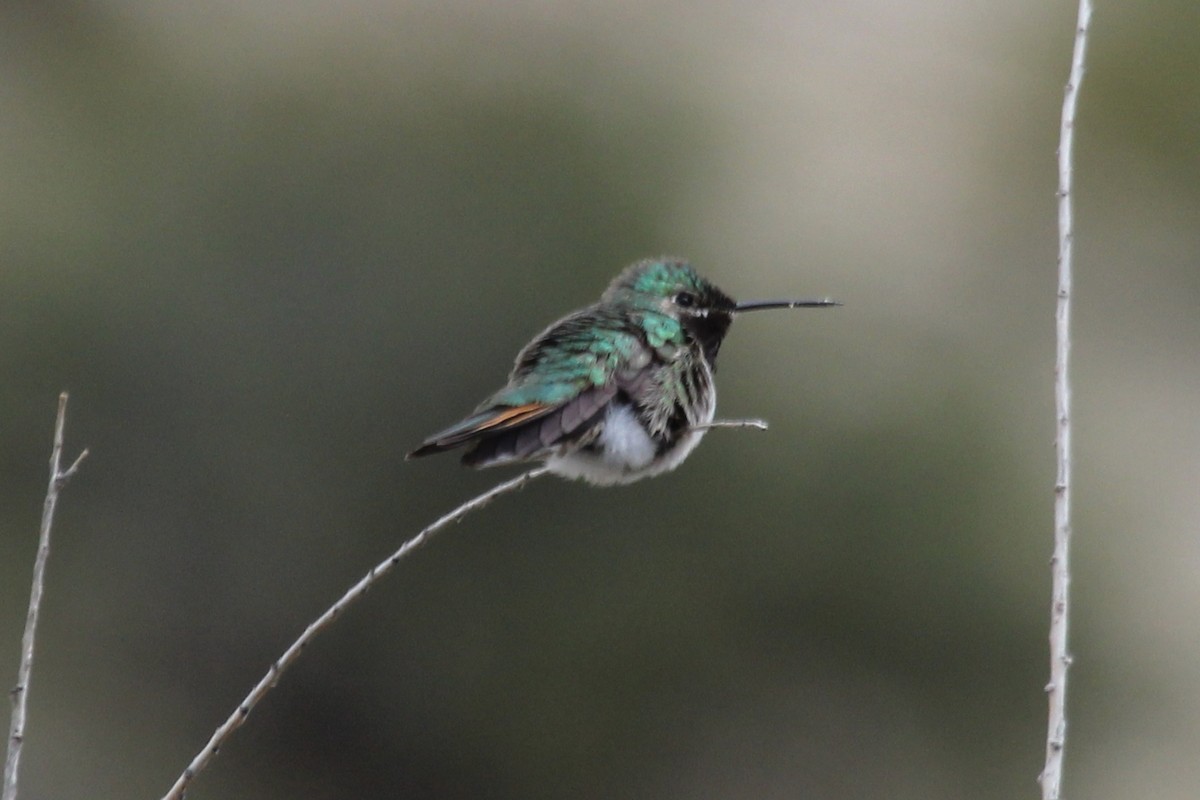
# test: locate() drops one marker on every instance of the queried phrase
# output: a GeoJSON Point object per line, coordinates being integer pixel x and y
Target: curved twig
{"type": "Point", "coordinates": [238, 717]}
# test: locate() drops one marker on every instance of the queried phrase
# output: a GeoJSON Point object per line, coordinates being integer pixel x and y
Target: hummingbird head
{"type": "Point", "coordinates": [670, 287]}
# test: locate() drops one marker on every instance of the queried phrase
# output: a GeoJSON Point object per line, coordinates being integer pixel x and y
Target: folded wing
{"type": "Point", "coordinates": [505, 434]}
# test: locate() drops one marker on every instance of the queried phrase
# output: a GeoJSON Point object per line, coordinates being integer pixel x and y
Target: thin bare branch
{"type": "Point", "coordinates": [20, 692]}
{"type": "Point", "coordinates": [238, 717]}
{"type": "Point", "coordinates": [1060, 659]}
{"type": "Point", "coordinates": [757, 424]}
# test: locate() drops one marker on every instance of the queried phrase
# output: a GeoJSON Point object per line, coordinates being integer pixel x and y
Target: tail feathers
{"type": "Point", "coordinates": [506, 434]}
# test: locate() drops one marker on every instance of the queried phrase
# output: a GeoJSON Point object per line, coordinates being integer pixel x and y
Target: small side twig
{"type": "Point", "coordinates": [757, 424]}
{"type": "Point", "coordinates": [238, 717]}
{"type": "Point", "coordinates": [1060, 659]}
{"type": "Point", "coordinates": [20, 693]}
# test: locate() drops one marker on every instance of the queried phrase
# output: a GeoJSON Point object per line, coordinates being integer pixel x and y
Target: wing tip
{"type": "Point", "coordinates": [423, 450]}
{"type": "Point", "coordinates": [433, 446]}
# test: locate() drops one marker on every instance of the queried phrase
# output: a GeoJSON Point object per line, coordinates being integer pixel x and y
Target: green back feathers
{"type": "Point", "coordinates": [591, 347]}
{"type": "Point", "coordinates": [580, 351]}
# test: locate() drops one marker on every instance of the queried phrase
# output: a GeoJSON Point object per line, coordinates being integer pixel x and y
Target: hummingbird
{"type": "Point", "coordinates": [615, 392]}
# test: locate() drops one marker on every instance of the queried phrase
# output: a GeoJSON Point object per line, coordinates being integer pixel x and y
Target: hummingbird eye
{"type": "Point", "coordinates": [685, 300]}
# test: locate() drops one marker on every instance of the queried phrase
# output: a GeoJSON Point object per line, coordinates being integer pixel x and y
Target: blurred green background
{"type": "Point", "coordinates": [268, 247]}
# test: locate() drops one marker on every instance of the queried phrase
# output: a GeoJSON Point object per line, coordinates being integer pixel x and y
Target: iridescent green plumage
{"type": "Point", "coordinates": [614, 392]}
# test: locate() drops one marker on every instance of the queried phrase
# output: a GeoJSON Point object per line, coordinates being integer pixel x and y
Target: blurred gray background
{"type": "Point", "coordinates": [270, 246]}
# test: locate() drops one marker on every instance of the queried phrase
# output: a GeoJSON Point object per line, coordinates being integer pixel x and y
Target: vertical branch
{"type": "Point", "coordinates": [1060, 659]}
{"type": "Point", "coordinates": [20, 692]}
{"type": "Point", "coordinates": [268, 681]}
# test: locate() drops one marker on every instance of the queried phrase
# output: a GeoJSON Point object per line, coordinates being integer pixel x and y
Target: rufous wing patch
{"type": "Point", "coordinates": [490, 421]}
{"type": "Point", "coordinates": [508, 417]}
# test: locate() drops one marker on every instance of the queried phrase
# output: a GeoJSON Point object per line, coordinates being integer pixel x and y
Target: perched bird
{"type": "Point", "coordinates": [617, 391]}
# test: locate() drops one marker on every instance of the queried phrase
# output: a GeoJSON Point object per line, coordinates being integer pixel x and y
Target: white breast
{"type": "Point", "coordinates": [624, 452]}
{"type": "Point", "coordinates": [624, 441]}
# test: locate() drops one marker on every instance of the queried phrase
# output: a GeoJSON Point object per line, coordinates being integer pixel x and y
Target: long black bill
{"type": "Point", "coordinates": [759, 305]}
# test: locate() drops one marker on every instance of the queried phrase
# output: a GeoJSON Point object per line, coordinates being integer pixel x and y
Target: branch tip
{"type": "Point", "coordinates": [19, 694]}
